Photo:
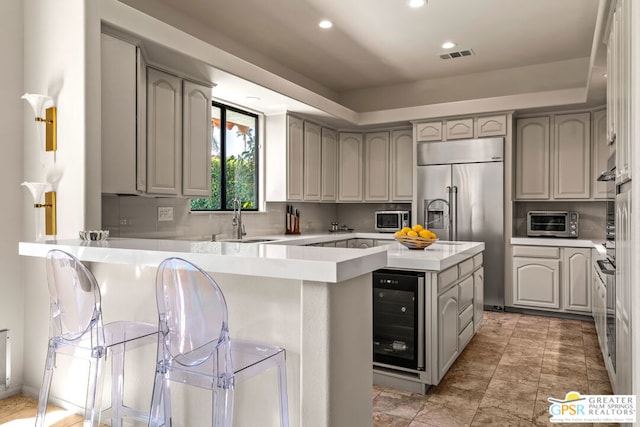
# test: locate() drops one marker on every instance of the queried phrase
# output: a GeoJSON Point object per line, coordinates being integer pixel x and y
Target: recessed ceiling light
{"type": "Point", "coordinates": [252, 99]}
{"type": "Point", "coordinates": [417, 3]}
{"type": "Point", "coordinates": [448, 45]}
{"type": "Point", "coordinates": [325, 23]}
{"type": "Point", "coordinates": [604, 75]}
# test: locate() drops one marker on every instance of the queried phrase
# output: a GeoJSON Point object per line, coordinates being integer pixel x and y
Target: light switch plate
{"type": "Point", "coordinates": [165, 213]}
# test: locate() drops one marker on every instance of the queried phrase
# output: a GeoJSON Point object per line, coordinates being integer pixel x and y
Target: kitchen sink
{"type": "Point", "coordinates": [249, 240]}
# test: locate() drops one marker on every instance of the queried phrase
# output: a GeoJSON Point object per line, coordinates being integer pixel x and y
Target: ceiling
{"type": "Point", "coordinates": [381, 54]}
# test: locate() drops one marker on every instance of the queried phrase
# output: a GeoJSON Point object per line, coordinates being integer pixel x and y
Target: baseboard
{"type": "Point", "coordinates": [11, 391]}
{"type": "Point", "coordinates": [544, 313]}
{"type": "Point", "coordinates": [61, 403]}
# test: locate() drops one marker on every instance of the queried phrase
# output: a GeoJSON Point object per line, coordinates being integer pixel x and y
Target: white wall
{"type": "Point", "coordinates": [11, 111]}
{"type": "Point", "coordinates": [61, 43]}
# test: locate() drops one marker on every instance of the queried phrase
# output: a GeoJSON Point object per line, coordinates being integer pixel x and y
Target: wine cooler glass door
{"type": "Point", "coordinates": [398, 318]}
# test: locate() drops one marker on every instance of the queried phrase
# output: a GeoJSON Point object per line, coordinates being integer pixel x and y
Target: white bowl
{"type": "Point", "coordinates": [94, 235]}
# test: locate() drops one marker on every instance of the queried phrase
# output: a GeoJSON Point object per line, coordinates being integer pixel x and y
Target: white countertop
{"type": "Point", "coordinates": [437, 257]}
{"type": "Point", "coordinates": [286, 258]}
{"type": "Point", "coordinates": [552, 241]}
{"type": "Point", "coordinates": [250, 259]}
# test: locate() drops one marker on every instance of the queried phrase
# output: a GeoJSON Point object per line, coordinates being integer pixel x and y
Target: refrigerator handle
{"type": "Point", "coordinates": [453, 214]}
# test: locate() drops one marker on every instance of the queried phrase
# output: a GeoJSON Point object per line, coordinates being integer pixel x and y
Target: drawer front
{"type": "Point", "coordinates": [446, 278]}
{"type": "Point", "coordinates": [465, 336]}
{"type": "Point", "coordinates": [465, 267]}
{"type": "Point", "coordinates": [465, 318]}
{"type": "Point", "coordinates": [465, 293]}
{"type": "Point", "coordinates": [477, 260]}
{"type": "Point", "coordinates": [536, 251]}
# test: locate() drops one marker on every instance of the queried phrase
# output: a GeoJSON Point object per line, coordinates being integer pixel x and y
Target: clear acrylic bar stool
{"type": "Point", "coordinates": [77, 329]}
{"type": "Point", "coordinates": [194, 345]}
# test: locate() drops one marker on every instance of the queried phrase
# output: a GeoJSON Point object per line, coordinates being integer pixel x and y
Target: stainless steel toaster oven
{"type": "Point", "coordinates": [552, 224]}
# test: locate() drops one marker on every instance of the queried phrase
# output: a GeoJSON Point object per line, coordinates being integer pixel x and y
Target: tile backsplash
{"type": "Point", "coordinates": [136, 216]}
{"type": "Point", "coordinates": [592, 216]}
{"type": "Point", "coordinates": [170, 218]}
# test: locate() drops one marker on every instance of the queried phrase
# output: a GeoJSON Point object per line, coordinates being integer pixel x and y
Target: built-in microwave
{"type": "Point", "coordinates": [552, 224]}
{"type": "Point", "coordinates": [392, 221]}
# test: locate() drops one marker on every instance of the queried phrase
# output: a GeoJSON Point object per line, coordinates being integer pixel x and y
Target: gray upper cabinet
{"type": "Point", "coordinates": [376, 181]}
{"type": "Point", "coordinates": [532, 158]}
{"type": "Point", "coordinates": [295, 158]}
{"type": "Point", "coordinates": [401, 158]}
{"type": "Point", "coordinates": [426, 132]}
{"type": "Point", "coordinates": [164, 132]}
{"type": "Point", "coordinates": [312, 169]}
{"type": "Point", "coordinates": [350, 170]}
{"type": "Point", "coordinates": [156, 128]}
{"type": "Point", "coordinates": [459, 129]}
{"type": "Point", "coordinates": [491, 126]}
{"type": "Point", "coordinates": [196, 140]}
{"type": "Point", "coordinates": [572, 156]}
{"type": "Point", "coordinates": [119, 130]}
{"type": "Point", "coordinates": [329, 165]}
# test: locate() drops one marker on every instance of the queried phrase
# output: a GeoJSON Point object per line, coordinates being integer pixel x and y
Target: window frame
{"type": "Point", "coordinates": [223, 164]}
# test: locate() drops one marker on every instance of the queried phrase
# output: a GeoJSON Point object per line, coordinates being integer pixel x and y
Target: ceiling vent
{"type": "Point", "coordinates": [458, 54]}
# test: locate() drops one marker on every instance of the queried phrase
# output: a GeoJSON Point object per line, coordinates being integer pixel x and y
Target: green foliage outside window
{"type": "Point", "coordinates": [240, 178]}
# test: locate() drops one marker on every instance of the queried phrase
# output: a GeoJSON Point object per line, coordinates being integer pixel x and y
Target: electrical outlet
{"type": "Point", "coordinates": [165, 213]}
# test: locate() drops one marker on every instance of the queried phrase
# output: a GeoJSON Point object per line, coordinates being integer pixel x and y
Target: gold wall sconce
{"type": "Point", "coordinates": [37, 189]}
{"type": "Point", "coordinates": [50, 120]}
{"type": "Point", "coordinates": [49, 206]}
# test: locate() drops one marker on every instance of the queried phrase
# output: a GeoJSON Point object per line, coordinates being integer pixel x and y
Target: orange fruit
{"type": "Point", "coordinates": [417, 228]}
{"type": "Point", "coordinates": [412, 233]}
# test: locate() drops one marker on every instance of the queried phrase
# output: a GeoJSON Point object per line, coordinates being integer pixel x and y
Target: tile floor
{"type": "Point", "coordinates": [504, 376]}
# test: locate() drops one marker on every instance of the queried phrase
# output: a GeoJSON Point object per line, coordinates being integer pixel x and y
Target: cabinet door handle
{"type": "Point", "coordinates": [612, 140]}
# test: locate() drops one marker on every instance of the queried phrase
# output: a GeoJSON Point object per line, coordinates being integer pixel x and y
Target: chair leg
{"type": "Point", "coordinates": [46, 385]}
{"type": "Point", "coordinates": [282, 387]}
{"type": "Point", "coordinates": [117, 386]}
{"type": "Point", "coordinates": [160, 413]}
{"type": "Point", "coordinates": [94, 393]}
{"type": "Point", "coordinates": [223, 405]}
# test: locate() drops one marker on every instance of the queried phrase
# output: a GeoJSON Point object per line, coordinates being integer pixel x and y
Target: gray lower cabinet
{"type": "Point", "coordinates": [536, 282]}
{"type": "Point", "coordinates": [447, 330]}
{"type": "Point", "coordinates": [552, 278]}
{"type": "Point", "coordinates": [478, 298]}
{"type": "Point", "coordinates": [576, 279]}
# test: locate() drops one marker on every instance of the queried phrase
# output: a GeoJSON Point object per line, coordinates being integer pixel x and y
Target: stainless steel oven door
{"type": "Point", "coordinates": [608, 270]}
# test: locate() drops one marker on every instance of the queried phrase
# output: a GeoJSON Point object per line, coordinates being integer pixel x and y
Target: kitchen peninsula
{"type": "Point", "coordinates": [314, 301]}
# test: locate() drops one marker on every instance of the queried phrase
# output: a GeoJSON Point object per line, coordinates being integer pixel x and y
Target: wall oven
{"type": "Point", "coordinates": [398, 319]}
{"type": "Point", "coordinates": [552, 224]}
{"type": "Point", "coordinates": [608, 266]}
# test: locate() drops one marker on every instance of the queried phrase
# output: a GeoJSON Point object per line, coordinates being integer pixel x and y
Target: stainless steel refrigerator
{"type": "Point", "coordinates": [461, 198]}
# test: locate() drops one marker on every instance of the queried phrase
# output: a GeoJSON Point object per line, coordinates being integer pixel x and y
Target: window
{"type": "Point", "coordinates": [234, 160]}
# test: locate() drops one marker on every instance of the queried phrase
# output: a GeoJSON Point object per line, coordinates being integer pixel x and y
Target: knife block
{"type": "Point", "coordinates": [292, 224]}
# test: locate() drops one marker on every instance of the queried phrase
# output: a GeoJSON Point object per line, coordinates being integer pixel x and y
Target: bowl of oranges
{"type": "Point", "coordinates": [416, 237]}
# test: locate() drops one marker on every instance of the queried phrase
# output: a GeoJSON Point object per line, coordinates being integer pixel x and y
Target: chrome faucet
{"type": "Point", "coordinates": [236, 221]}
